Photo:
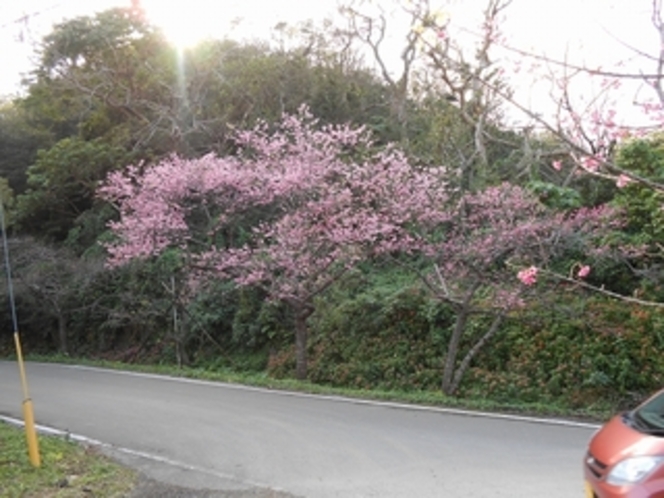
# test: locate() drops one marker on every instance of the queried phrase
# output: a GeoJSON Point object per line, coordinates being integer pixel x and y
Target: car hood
{"type": "Point", "coordinates": [617, 440]}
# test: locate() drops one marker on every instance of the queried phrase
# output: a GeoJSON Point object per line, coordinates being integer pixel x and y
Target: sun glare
{"type": "Point", "coordinates": [185, 23]}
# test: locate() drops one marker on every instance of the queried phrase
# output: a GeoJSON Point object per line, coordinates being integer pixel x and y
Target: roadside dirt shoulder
{"type": "Point", "coordinates": [149, 488]}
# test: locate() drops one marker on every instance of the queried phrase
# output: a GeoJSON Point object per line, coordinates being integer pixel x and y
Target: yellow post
{"type": "Point", "coordinates": [28, 413]}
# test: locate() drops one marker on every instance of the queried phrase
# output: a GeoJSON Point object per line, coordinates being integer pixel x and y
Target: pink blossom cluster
{"type": "Point", "coordinates": [528, 276]}
{"type": "Point", "coordinates": [583, 272]}
{"type": "Point", "coordinates": [325, 200]}
{"type": "Point", "coordinates": [591, 163]}
{"type": "Point", "coordinates": [623, 180]}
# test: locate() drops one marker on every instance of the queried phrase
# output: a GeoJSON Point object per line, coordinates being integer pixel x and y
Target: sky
{"type": "Point", "coordinates": [594, 33]}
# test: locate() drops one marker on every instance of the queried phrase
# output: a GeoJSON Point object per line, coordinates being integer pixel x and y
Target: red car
{"type": "Point", "coordinates": [625, 457]}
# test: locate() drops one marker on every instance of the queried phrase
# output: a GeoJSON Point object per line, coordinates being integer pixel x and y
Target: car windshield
{"type": "Point", "coordinates": [651, 414]}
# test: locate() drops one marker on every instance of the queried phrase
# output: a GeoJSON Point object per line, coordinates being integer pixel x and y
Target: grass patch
{"type": "Point", "coordinates": [68, 469]}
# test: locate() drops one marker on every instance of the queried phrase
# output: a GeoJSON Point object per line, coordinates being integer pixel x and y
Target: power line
{"type": "Point", "coordinates": [26, 17]}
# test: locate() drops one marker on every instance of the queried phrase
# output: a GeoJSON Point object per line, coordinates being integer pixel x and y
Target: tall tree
{"type": "Point", "coordinates": [62, 184]}
{"type": "Point", "coordinates": [19, 143]}
{"type": "Point", "coordinates": [291, 214]}
{"type": "Point", "coordinates": [110, 75]}
{"type": "Point", "coordinates": [48, 281]}
{"type": "Point", "coordinates": [494, 242]}
{"type": "Point", "coordinates": [446, 91]}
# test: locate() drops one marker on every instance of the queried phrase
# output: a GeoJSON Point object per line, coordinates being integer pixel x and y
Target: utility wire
{"type": "Point", "coordinates": [26, 17]}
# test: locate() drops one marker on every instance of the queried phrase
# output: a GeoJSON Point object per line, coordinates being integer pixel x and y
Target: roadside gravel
{"type": "Point", "coordinates": [149, 488]}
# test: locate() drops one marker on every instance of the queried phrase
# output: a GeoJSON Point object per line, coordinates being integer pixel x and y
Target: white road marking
{"type": "Point", "coordinates": [357, 401]}
{"type": "Point", "coordinates": [50, 431]}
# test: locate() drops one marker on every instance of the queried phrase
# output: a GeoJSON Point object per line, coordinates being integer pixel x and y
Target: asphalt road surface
{"type": "Point", "coordinates": [207, 435]}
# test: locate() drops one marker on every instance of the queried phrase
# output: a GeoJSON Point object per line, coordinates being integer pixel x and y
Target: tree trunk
{"type": "Point", "coordinates": [453, 351]}
{"type": "Point", "coordinates": [63, 346]}
{"type": "Point", "coordinates": [301, 339]}
{"type": "Point", "coordinates": [463, 311]}
{"type": "Point", "coordinates": [180, 335]}
{"type": "Point", "coordinates": [495, 325]}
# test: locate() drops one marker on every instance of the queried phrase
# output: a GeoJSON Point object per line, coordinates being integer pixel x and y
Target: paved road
{"type": "Point", "coordinates": [219, 436]}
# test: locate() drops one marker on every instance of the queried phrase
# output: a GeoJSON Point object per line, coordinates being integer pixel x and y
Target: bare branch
{"type": "Point", "coordinates": [603, 291]}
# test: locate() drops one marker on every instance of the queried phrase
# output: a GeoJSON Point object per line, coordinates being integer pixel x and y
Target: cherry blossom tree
{"type": "Point", "coordinates": [298, 207]}
{"type": "Point", "coordinates": [292, 212]}
{"type": "Point", "coordinates": [486, 260]}
{"type": "Point", "coordinates": [580, 129]}
{"type": "Point", "coordinates": [592, 113]}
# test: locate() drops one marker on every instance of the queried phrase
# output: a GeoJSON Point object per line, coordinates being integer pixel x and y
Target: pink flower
{"type": "Point", "coordinates": [528, 276]}
{"type": "Point", "coordinates": [557, 165]}
{"type": "Point", "coordinates": [583, 272]}
{"type": "Point", "coordinates": [622, 181]}
{"type": "Point", "coordinates": [590, 163]}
